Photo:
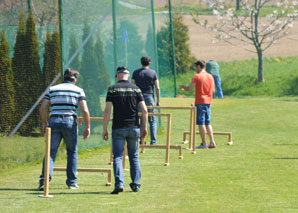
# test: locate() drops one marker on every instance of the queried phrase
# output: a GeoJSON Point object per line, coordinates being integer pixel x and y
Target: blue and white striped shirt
{"type": "Point", "coordinates": [64, 98]}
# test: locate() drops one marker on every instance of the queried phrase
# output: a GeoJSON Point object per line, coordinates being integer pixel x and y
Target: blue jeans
{"type": "Point", "coordinates": [149, 101]}
{"type": "Point", "coordinates": [203, 114]}
{"type": "Point", "coordinates": [131, 135]}
{"type": "Point", "coordinates": [217, 83]}
{"type": "Point", "coordinates": [64, 127]}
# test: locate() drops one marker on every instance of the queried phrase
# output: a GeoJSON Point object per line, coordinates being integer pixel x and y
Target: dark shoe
{"type": "Point", "coordinates": [134, 187]}
{"type": "Point", "coordinates": [116, 191]}
{"type": "Point", "coordinates": [41, 187]}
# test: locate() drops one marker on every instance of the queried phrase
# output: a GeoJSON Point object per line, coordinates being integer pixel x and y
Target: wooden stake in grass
{"type": "Point", "coordinates": [194, 130]}
{"type": "Point", "coordinates": [47, 165]}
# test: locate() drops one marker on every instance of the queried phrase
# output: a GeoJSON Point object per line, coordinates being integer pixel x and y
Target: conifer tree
{"type": "Point", "coordinates": [52, 59]}
{"type": "Point", "coordinates": [184, 59]}
{"type": "Point", "coordinates": [76, 63]}
{"type": "Point", "coordinates": [47, 61]}
{"type": "Point", "coordinates": [104, 78]}
{"type": "Point", "coordinates": [7, 91]}
{"type": "Point", "coordinates": [90, 73]}
{"type": "Point", "coordinates": [34, 82]}
{"type": "Point", "coordinates": [20, 76]}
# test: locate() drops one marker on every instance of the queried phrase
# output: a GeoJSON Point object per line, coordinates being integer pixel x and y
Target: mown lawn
{"type": "Point", "coordinates": [258, 173]}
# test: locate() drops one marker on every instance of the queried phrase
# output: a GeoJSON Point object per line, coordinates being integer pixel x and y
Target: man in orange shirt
{"type": "Point", "coordinates": [204, 84]}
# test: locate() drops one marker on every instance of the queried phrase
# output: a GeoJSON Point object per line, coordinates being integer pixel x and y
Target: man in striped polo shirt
{"type": "Point", "coordinates": [125, 98]}
{"type": "Point", "coordinates": [64, 99]}
{"type": "Point", "coordinates": [213, 68]}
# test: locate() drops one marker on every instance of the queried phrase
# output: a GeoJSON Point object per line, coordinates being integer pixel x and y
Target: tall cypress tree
{"type": "Point", "coordinates": [7, 91]}
{"type": "Point", "coordinates": [184, 59]}
{"type": "Point", "coordinates": [34, 82]}
{"type": "Point", "coordinates": [90, 73]}
{"type": "Point", "coordinates": [52, 59]}
{"type": "Point", "coordinates": [47, 61]}
{"type": "Point", "coordinates": [20, 76]}
{"type": "Point", "coordinates": [104, 78]}
{"type": "Point", "coordinates": [76, 63]}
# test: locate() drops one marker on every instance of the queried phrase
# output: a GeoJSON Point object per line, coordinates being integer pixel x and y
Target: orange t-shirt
{"type": "Point", "coordinates": [204, 87]}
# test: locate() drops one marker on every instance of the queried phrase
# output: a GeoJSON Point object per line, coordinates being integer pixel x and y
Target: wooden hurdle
{"type": "Point", "coordinates": [100, 170]}
{"type": "Point", "coordinates": [168, 145]}
{"type": "Point", "coordinates": [47, 165]}
{"type": "Point", "coordinates": [192, 126]}
{"type": "Point", "coordinates": [229, 134]}
{"type": "Point", "coordinates": [168, 142]}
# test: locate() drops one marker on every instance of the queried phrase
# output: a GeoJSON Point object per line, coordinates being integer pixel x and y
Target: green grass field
{"type": "Point", "coordinates": [258, 173]}
{"type": "Point", "coordinates": [239, 78]}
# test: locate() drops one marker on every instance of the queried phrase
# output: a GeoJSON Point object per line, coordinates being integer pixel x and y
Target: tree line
{"type": "Point", "coordinates": [22, 80]}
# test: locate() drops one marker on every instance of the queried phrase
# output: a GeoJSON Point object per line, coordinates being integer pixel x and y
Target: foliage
{"type": "Point", "coordinates": [20, 75]}
{"type": "Point", "coordinates": [7, 91]}
{"type": "Point", "coordinates": [135, 45]}
{"type": "Point", "coordinates": [52, 58]}
{"type": "Point", "coordinates": [261, 34]}
{"type": "Point", "coordinates": [239, 78]}
{"type": "Point", "coordinates": [94, 72]}
{"type": "Point", "coordinates": [184, 59]}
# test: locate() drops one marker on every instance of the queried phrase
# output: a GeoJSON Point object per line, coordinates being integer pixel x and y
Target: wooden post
{"type": "Point", "coordinates": [124, 156]}
{"type": "Point", "coordinates": [168, 140]}
{"type": "Point", "coordinates": [111, 154]}
{"type": "Point", "coordinates": [47, 165]}
{"type": "Point", "coordinates": [194, 130]}
{"type": "Point", "coordinates": [191, 127]}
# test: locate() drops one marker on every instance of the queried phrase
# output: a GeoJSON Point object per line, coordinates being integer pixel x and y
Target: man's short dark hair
{"type": "Point", "coordinates": [71, 74]}
{"type": "Point", "coordinates": [145, 60]}
{"type": "Point", "coordinates": [201, 63]}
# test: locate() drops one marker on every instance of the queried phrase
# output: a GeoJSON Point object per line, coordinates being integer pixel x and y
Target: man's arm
{"type": "Point", "coordinates": [86, 117]}
{"type": "Point", "coordinates": [144, 119]}
{"type": "Point", "coordinates": [188, 88]}
{"type": "Point", "coordinates": [107, 114]}
{"type": "Point", "coordinates": [156, 82]}
{"type": "Point", "coordinates": [43, 114]}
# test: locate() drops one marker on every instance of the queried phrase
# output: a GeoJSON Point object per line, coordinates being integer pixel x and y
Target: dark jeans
{"type": "Point", "coordinates": [149, 101]}
{"type": "Point", "coordinates": [131, 136]}
{"type": "Point", "coordinates": [64, 127]}
{"type": "Point", "coordinates": [217, 83]}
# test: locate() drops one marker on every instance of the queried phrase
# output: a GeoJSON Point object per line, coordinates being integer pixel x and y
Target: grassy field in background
{"type": "Point", "coordinates": [239, 78]}
{"type": "Point", "coordinates": [258, 173]}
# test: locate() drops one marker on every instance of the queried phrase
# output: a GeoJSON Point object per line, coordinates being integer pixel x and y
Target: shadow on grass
{"type": "Point", "coordinates": [286, 158]}
{"type": "Point", "coordinates": [13, 189]}
{"type": "Point", "coordinates": [285, 144]}
{"type": "Point", "coordinates": [71, 193]}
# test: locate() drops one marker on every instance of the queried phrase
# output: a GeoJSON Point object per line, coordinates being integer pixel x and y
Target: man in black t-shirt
{"type": "Point", "coordinates": [146, 79]}
{"type": "Point", "coordinates": [125, 98]}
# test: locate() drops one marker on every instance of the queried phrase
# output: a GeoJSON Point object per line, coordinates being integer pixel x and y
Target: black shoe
{"type": "Point", "coordinates": [134, 187]}
{"type": "Point", "coordinates": [117, 190]}
{"type": "Point", "coordinates": [41, 187]}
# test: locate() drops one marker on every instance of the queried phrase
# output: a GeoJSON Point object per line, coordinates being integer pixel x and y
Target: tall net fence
{"type": "Point", "coordinates": [96, 38]}
{"type": "Point", "coordinates": [24, 30]}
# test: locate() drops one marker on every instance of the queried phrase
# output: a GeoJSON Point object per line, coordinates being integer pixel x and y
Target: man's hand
{"type": "Point", "coordinates": [157, 103]}
{"type": "Point", "coordinates": [105, 135]}
{"type": "Point", "coordinates": [86, 133]}
{"type": "Point", "coordinates": [144, 133]}
{"type": "Point", "coordinates": [44, 128]}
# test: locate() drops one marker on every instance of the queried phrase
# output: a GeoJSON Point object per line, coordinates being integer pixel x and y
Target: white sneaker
{"type": "Point", "coordinates": [73, 186]}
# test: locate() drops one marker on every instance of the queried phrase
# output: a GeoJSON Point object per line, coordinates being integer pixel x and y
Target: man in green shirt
{"type": "Point", "coordinates": [213, 68]}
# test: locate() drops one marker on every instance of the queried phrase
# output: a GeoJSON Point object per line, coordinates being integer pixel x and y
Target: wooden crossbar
{"type": "Point", "coordinates": [229, 134]}
{"type": "Point", "coordinates": [109, 171]}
